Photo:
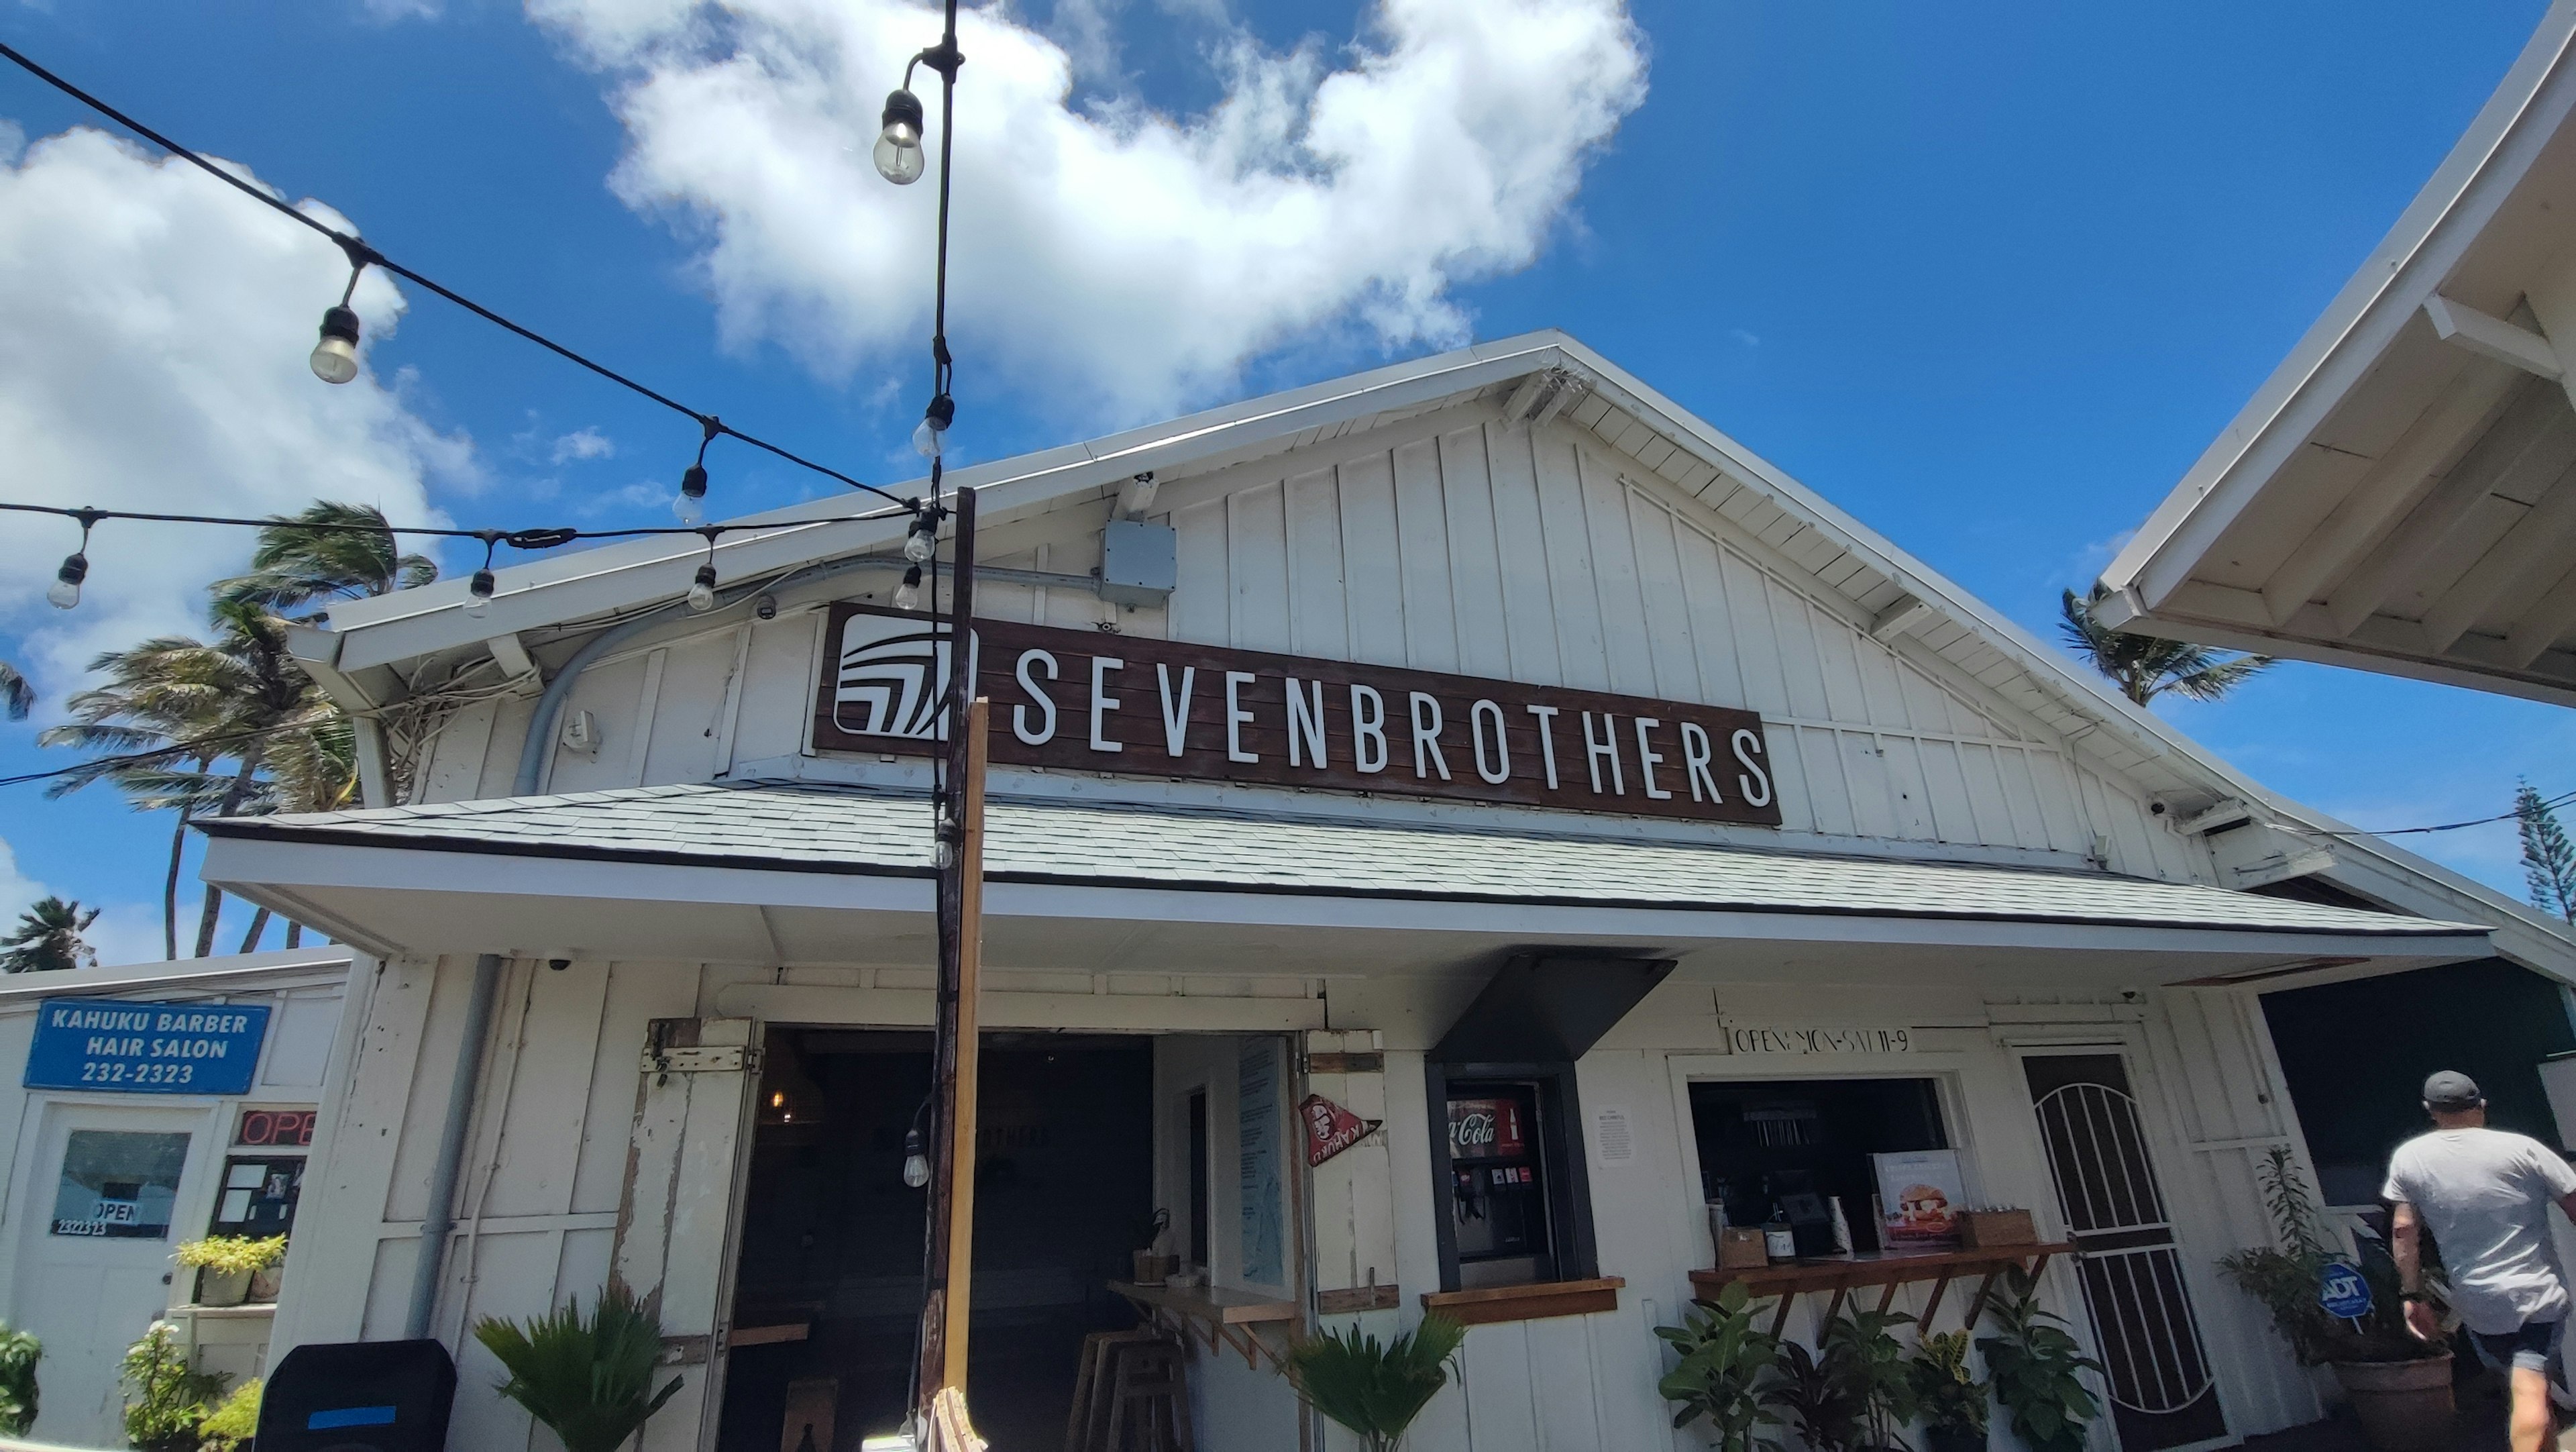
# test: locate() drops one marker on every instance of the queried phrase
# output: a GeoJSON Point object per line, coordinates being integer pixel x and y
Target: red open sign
{"type": "Point", "coordinates": [261, 1127]}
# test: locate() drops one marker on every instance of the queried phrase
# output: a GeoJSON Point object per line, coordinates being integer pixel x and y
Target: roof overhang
{"type": "Point", "coordinates": [2400, 496]}
{"type": "Point", "coordinates": [1080, 890]}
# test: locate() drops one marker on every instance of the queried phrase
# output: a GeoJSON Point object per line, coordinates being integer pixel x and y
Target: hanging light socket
{"type": "Point", "coordinates": [65, 591]}
{"type": "Point", "coordinates": [691, 505]}
{"type": "Point", "coordinates": [899, 156]}
{"type": "Point", "coordinates": [930, 436]}
{"type": "Point", "coordinates": [907, 596]}
{"type": "Point", "coordinates": [335, 358]}
{"type": "Point", "coordinates": [923, 539]}
{"type": "Point", "coordinates": [702, 590]}
{"type": "Point", "coordinates": [478, 593]}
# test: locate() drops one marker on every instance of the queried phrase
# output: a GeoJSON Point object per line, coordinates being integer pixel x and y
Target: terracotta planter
{"type": "Point", "coordinates": [220, 1288]}
{"type": "Point", "coordinates": [2403, 1406]}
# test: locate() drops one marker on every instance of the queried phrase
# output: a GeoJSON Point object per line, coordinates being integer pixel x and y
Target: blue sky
{"type": "Point", "coordinates": [1988, 279]}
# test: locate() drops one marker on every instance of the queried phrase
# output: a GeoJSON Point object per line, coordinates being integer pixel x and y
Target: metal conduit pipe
{"type": "Point", "coordinates": [439, 1221]}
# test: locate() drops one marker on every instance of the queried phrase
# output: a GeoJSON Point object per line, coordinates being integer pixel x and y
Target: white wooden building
{"type": "Point", "coordinates": [2400, 495]}
{"type": "Point", "coordinates": [182, 1164]}
{"type": "Point", "coordinates": [1951, 881]}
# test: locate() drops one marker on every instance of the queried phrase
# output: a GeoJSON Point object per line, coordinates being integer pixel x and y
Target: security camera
{"type": "Point", "coordinates": [766, 607]}
{"type": "Point", "coordinates": [559, 964]}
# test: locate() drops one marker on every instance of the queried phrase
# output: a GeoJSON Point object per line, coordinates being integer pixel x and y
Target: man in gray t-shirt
{"type": "Point", "coordinates": [2485, 1194]}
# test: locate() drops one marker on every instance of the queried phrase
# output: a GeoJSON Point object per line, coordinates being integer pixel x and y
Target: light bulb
{"type": "Point", "coordinates": [478, 593]}
{"type": "Point", "coordinates": [907, 596]}
{"type": "Point", "coordinates": [931, 434]}
{"type": "Point", "coordinates": [702, 590]}
{"type": "Point", "coordinates": [916, 1166]}
{"type": "Point", "coordinates": [691, 505]}
{"type": "Point", "coordinates": [922, 542]}
{"type": "Point", "coordinates": [64, 592]}
{"type": "Point", "coordinates": [899, 156]}
{"type": "Point", "coordinates": [335, 358]}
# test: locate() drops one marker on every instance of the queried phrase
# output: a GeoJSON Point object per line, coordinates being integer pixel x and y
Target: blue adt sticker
{"type": "Point", "coordinates": [101, 1044]}
{"type": "Point", "coordinates": [2342, 1291]}
{"type": "Point", "coordinates": [350, 1417]}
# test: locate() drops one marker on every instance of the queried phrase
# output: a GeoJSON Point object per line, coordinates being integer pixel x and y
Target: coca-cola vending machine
{"type": "Point", "coordinates": [1498, 1185]}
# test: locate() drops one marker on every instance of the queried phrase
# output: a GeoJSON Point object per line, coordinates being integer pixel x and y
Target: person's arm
{"type": "Point", "coordinates": [2408, 1250]}
{"type": "Point", "coordinates": [2567, 1205]}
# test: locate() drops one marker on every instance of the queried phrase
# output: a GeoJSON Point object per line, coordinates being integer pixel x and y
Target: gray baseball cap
{"type": "Point", "coordinates": [2451, 1091]}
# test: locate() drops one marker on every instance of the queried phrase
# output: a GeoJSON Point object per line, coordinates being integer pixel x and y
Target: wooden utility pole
{"type": "Point", "coordinates": [950, 1269]}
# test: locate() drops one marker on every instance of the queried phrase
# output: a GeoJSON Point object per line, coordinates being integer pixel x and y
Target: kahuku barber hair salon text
{"type": "Point", "coordinates": [1086, 701]}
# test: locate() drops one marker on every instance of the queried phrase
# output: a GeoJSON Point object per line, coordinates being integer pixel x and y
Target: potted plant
{"type": "Point", "coordinates": [1375, 1391]}
{"type": "Point", "coordinates": [1865, 1364]}
{"type": "Point", "coordinates": [589, 1380]}
{"type": "Point", "coordinates": [2035, 1367]}
{"type": "Point", "coordinates": [167, 1398]}
{"type": "Point", "coordinates": [1723, 1358]}
{"type": "Point", "coordinates": [227, 1266]}
{"type": "Point", "coordinates": [2400, 1388]}
{"type": "Point", "coordinates": [1952, 1400]}
{"type": "Point", "coordinates": [19, 1352]}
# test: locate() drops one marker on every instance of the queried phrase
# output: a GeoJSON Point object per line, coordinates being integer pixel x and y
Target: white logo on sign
{"type": "Point", "coordinates": [889, 684]}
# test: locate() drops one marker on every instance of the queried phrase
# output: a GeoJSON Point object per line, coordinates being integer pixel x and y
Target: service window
{"type": "Point", "coordinates": [264, 1174]}
{"type": "Point", "coordinates": [1795, 1152]}
{"type": "Point", "coordinates": [118, 1184]}
{"type": "Point", "coordinates": [1515, 1200]}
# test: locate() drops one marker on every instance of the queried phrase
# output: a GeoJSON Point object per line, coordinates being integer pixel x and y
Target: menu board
{"type": "Point", "coordinates": [1257, 1138]}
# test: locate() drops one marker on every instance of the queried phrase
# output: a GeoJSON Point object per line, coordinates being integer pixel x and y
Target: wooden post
{"type": "Point", "coordinates": [948, 1271]}
{"type": "Point", "coordinates": [969, 790]}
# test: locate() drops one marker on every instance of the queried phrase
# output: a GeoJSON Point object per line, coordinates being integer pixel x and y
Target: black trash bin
{"type": "Point", "coordinates": [359, 1396]}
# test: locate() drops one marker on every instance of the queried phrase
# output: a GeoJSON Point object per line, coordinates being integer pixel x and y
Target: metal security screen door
{"type": "Point", "coordinates": [2162, 1394]}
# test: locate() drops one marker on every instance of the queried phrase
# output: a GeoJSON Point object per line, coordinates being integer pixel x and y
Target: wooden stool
{"type": "Point", "coordinates": [1150, 1399]}
{"type": "Point", "coordinates": [1086, 1423]}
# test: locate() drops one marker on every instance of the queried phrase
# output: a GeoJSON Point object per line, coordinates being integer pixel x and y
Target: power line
{"type": "Point", "coordinates": [362, 256]}
{"type": "Point", "coordinates": [543, 538]}
{"type": "Point", "coordinates": [2552, 803]}
{"type": "Point", "coordinates": [191, 747]}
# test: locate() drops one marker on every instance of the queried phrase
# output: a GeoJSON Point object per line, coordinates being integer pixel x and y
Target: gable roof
{"type": "Point", "coordinates": [2400, 495]}
{"type": "Point", "coordinates": [1545, 374]}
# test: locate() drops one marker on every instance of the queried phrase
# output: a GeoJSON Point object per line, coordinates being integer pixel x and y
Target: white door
{"type": "Point", "coordinates": [97, 1213]}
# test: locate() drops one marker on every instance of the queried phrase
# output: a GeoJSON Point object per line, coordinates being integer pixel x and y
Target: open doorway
{"type": "Point", "coordinates": [828, 1290]}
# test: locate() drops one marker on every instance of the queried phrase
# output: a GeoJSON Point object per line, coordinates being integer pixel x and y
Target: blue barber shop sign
{"type": "Point", "coordinates": [145, 1048]}
{"type": "Point", "coordinates": [2343, 1292]}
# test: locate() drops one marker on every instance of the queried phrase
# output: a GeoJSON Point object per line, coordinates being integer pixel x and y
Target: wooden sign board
{"type": "Point", "coordinates": [1087, 701]}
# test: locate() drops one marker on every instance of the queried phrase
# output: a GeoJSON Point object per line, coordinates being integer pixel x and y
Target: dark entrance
{"type": "Point", "coordinates": [2162, 1393]}
{"type": "Point", "coordinates": [829, 1284]}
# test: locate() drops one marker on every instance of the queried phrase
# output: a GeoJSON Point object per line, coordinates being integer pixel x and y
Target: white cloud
{"type": "Point", "coordinates": [583, 444]}
{"type": "Point", "coordinates": [152, 357]}
{"type": "Point", "coordinates": [1110, 257]}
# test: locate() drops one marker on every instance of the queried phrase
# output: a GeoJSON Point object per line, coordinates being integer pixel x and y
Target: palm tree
{"type": "Point", "coordinates": [48, 936]}
{"type": "Point", "coordinates": [2145, 667]}
{"type": "Point", "coordinates": [351, 555]}
{"type": "Point", "coordinates": [16, 696]}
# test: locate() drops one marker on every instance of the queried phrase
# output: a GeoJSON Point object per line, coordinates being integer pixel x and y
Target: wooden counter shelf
{"type": "Point", "coordinates": [1533, 1302]}
{"type": "Point", "coordinates": [1220, 1315]}
{"type": "Point", "coordinates": [1844, 1274]}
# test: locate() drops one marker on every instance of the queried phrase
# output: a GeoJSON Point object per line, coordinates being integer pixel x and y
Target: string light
{"type": "Point", "coordinates": [65, 591]}
{"type": "Point", "coordinates": [702, 586]}
{"type": "Point", "coordinates": [335, 358]}
{"type": "Point", "coordinates": [691, 505]}
{"type": "Point", "coordinates": [922, 540]}
{"type": "Point", "coordinates": [907, 596]}
{"type": "Point", "coordinates": [337, 348]}
{"type": "Point", "coordinates": [478, 591]}
{"type": "Point", "coordinates": [930, 436]}
{"type": "Point", "coordinates": [898, 155]}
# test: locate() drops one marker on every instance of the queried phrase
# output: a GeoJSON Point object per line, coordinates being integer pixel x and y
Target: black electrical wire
{"type": "Point", "coordinates": [190, 747]}
{"type": "Point", "coordinates": [361, 256]}
{"type": "Point", "coordinates": [2548, 804]}
{"type": "Point", "coordinates": [543, 538]}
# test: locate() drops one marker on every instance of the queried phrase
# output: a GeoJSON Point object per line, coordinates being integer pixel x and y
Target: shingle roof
{"type": "Point", "coordinates": [848, 829]}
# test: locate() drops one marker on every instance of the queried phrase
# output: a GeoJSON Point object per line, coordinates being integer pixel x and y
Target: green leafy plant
{"type": "Point", "coordinates": [1945, 1389]}
{"type": "Point", "coordinates": [2036, 1369]}
{"type": "Point", "coordinates": [1824, 1418]}
{"type": "Point", "coordinates": [19, 1352]}
{"type": "Point", "coordinates": [165, 1398]}
{"type": "Point", "coordinates": [2286, 1279]}
{"type": "Point", "coordinates": [1724, 1357]}
{"type": "Point", "coordinates": [1864, 1363]}
{"type": "Point", "coordinates": [234, 1421]}
{"type": "Point", "coordinates": [233, 1255]}
{"type": "Point", "coordinates": [1376, 1390]}
{"type": "Point", "coordinates": [588, 1379]}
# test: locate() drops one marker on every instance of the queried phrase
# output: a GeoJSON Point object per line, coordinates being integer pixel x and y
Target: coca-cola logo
{"type": "Point", "coordinates": [1484, 1128]}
